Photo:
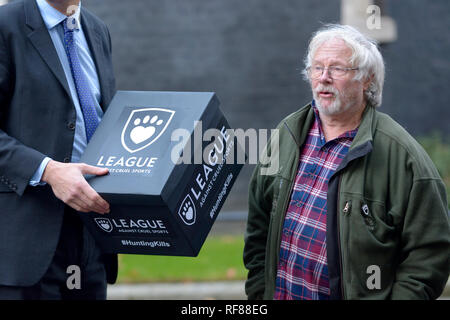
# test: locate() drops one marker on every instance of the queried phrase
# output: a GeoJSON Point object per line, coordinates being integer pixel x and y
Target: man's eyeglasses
{"type": "Point", "coordinates": [315, 72]}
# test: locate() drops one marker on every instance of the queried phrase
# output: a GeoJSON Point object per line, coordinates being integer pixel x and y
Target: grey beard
{"type": "Point", "coordinates": [336, 107]}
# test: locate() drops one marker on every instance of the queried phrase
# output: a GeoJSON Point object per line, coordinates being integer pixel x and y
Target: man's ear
{"type": "Point", "coordinates": [367, 82]}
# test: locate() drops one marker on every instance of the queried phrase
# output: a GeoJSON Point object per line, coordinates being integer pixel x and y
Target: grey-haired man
{"type": "Point", "coordinates": [357, 209]}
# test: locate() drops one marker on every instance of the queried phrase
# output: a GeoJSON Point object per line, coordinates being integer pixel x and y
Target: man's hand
{"type": "Point", "coordinates": [70, 186]}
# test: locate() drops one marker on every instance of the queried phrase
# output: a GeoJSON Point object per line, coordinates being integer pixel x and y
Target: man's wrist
{"type": "Point", "coordinates": [47, 174]}
{"type": "Point", "coordinates": [37, 178]}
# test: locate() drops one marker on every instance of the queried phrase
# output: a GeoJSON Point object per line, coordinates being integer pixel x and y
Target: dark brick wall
{"type": "Point", "coordinates": [250, 53]}
{"type": "Point", "coordinates": [417, 92]}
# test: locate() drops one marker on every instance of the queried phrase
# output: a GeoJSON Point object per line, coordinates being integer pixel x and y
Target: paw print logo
{"type": "Point", "coordinates": [144, 127]}
{"type": "Point", "coordinates": [187, 211]}
{"type": "Point", "coordinates": [104, 224]}
{"type": "Point", "coordinates": [141, 132]}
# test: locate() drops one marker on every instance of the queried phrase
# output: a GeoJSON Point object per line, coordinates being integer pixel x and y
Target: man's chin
{"type": "Point", "coordinates": [328, 109]}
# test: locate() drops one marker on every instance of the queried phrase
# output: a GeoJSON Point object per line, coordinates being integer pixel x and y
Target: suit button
{"type": "Point", "coordinates": [66, 160]}
{"type": "Point", "coordinates": [71, 126]}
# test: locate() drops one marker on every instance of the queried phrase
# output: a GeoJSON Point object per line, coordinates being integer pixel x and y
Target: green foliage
{"type": "Point", "coordinates": [439, 152]}
{"type": "Point", "coordinates": [219, 259]}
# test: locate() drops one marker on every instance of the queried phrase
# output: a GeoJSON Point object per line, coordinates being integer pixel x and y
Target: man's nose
{"type": "Point", "coordinates": [325, 77]}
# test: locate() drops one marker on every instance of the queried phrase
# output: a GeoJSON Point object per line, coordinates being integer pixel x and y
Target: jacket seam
{"type": "Point", "coordinates": [427, 179]}
{"type": "Point", "coordinates": [398, 142]}
{"type": "Point", "coordinates": [363, 196]}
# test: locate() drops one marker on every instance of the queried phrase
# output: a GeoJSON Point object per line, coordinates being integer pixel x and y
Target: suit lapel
{"type": "Point", "coordinates": [41, 40]}
{"type": "Point", "coordinates": [94, 40]}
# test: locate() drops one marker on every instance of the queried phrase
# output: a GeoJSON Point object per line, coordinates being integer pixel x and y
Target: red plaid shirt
{"type": "Point", "coordinates": [302, 269]}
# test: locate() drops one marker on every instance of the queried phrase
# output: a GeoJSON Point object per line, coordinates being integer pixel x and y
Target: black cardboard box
{"type": "Point", "coordinates": [159, 206]}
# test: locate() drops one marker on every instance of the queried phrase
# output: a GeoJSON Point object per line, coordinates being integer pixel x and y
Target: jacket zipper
{"type": "Point", "coordinates": [338, 212]}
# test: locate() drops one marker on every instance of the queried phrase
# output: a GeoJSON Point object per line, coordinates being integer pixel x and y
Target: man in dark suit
{"type": "Point", "coordinates": [56, 80]}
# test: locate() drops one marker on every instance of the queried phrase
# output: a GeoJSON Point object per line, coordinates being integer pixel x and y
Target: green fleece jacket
{"type": "Point", "coordinates": [388, 234]}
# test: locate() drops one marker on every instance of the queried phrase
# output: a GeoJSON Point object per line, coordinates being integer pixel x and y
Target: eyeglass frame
{"type": "Point", "coordinates": [308, 69]}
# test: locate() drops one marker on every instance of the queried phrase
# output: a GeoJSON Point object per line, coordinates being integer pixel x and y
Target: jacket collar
{"type": "Point", "coordinates": [41, 40]}
{"type": "Point", "coordinates": [300, 123]}
{"type": "Point", "coordinates": [365, 131]}
{"type": "Point", "coordinates": [95, 42]}
{"type": "Point", "coordinates": [32, 15]}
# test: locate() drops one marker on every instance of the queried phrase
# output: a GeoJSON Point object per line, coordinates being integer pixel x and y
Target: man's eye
{"type": "Point", "coordinates": [338, 69]}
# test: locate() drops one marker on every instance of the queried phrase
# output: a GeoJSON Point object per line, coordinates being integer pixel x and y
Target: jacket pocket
{"type": "Point", "coordinates": [372, 245]}
{"type": "Point", "coordinates": [370, 219]}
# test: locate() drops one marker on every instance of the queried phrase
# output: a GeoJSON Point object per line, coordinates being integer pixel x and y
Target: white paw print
{"type": "Point", "coordinates": [140, 132]}
{"type": "Point", "coordinates": [187, 211]}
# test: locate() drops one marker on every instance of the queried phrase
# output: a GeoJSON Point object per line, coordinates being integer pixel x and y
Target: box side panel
{"type": "Point", "coordinates": [196, 206]}
{"type": "Point", "coordinates": [138, 230]}
{"type": "Point", "coordinates": [194, 146]}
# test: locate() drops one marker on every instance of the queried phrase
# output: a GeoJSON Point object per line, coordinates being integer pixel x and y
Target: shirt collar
{"type": "Point", "coordinates": [53, 17]}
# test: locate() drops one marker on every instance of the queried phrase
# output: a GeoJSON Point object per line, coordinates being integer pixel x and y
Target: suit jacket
{"type": "Point", "coordinates": [37, 118]}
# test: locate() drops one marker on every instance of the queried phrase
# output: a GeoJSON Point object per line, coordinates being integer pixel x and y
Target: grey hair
{"type": "Point", "coordinates": [365, 56]}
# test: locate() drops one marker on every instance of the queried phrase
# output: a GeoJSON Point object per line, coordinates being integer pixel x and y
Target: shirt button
{"type": "Point", "coordinates": [71, 126]}
{"type": "Point", "coordinates": [66, 160]}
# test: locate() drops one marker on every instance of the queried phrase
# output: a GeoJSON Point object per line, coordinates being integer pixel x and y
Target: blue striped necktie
{"type": "Point", "coordinates": [85, 96]}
